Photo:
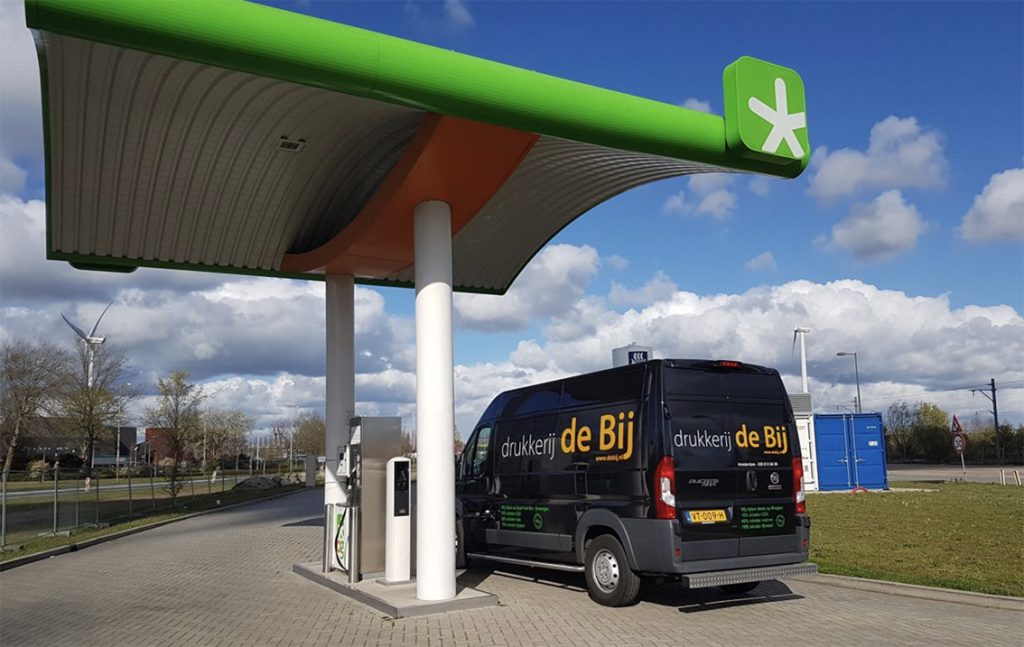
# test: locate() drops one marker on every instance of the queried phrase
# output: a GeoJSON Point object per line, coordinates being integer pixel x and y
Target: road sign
{"type": "Point", "coordinates": [959, 443]}
{"type": "Point", "coordinates": [956, 428]}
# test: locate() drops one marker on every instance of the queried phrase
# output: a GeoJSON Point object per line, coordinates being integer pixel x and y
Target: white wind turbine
{"type": "Point", "coordinates": [803, 355]}
{"type": "Point", "coordinates": [91, 341]}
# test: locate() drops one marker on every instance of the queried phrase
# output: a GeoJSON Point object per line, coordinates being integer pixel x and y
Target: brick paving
{"type": "Point", "coordinates": [225, 579]}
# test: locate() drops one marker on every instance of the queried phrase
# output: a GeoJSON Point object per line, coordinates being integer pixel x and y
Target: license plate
{"type": "Point", "coordinates": [706, 516]}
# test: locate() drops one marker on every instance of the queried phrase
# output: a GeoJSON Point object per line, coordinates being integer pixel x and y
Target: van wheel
{"type": "Point", "coordinates": [736, 589]}
{"type": "Point", "coordinates": [609, 579]}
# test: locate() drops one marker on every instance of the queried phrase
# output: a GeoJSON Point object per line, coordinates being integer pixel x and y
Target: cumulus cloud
{"type": "Point", "coordinates": [557, 276]}
{"type": "Point", "coordinates": [700, 105]}
{"type": "Point", "coordinates": [21, 126]}
{"type": "Point", "coordinates": [713, 197]}
{"type": "Point", "coordinates": [886, 227]}
{"type": "Point", "coordinates": [900, 154]}
{"type": "Point", "coordinates": [763, 262]}
{"type": "Point", "coordinates": [657, 288]}
{"type": "Point", "coordinates": [457, 13]}
{"type": "Point", "coordinates": [617, 262]}
{"type": "Point", "coordinates": [998, 211]}
{"type": "Point", "coordinates": [675, 205]}
{"type": "Point", "coordinates": [761, 185]}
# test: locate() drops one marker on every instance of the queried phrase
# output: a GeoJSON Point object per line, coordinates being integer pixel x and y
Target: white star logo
{"type": "Point", "coordinates": [783, 124]}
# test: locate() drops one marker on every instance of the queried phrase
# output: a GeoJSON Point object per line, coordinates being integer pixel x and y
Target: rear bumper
{"type": "Point", "coordinates": [654, 543]}
{"type": "Point", "coordinates": [739, 576]}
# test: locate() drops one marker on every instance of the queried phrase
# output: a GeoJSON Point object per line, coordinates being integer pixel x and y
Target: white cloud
{"type": "Point", "coordinates": [900, 154]}
{"type": "Point", "coordinates": [718, 204]}
{"type": "Point", "coordinates": [458, 14]}
{"type": "Point", "coordinates": [705, 183]}
{"type": "Point", "coordinates": [763, 262]}
{"type": "Point", "coordinates": [675, 205]}
{"type": "Point", "coordinates": [884, 228]}
{"type": "Point", "coordinates": [700, 105]}
{"type": "Point", "coordinates": [12, 177]}
{"type": "Point", "coordinates": [558, 275]}
{"type": "Point", "coordinates": [761, 185]}
{"type": "Point", "coordinates": [617, 262]}
{"type": "Point", "coordinates": [21, 125]}
{"type": "Point", "coordinates": [715, 199]}
{"type": "Point", "coordinates": [998, 211]}
{"type": "Point", "coordinates": [657, 288]}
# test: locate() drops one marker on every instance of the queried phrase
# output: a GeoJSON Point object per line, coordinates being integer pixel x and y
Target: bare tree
{"type": "Point", "coordinates": [224, 431]}
{"type": "Point", "coordinates": [31, 378]}
{"type": "Point", "coordinates": [91, 408]}
{"type": "Point", "coordinates": [310, 433]}
{"type": "Point", "coordinates": [178, 417]}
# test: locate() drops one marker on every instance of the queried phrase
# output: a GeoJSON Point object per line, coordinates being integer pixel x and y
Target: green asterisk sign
{"type": "Point", "coordinates": [765, 111]}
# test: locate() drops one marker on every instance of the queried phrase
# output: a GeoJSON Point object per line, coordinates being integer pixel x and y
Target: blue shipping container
{"type": "Point", "coordinates": [851, 451]}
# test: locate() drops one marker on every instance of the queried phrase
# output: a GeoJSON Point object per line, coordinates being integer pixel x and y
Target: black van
{"type": "Point", "coordinates": [686, 470]}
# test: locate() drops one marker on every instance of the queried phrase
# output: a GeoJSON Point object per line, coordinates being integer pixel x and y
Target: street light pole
{"type": "Point", "coordinates": [856, 373]}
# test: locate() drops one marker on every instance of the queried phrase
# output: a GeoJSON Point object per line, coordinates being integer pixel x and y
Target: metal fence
{"type": "Point", "coordinates": [57, 502]}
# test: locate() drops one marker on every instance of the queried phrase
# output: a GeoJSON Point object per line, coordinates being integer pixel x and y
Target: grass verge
{"type": "Point", "coordinates": [963, 536]}
{"type": "Point", "coordinates": [190, 506]}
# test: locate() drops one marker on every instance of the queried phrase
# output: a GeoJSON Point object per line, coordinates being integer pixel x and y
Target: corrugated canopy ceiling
{"type": "Point", "coordinates": [239, 138]}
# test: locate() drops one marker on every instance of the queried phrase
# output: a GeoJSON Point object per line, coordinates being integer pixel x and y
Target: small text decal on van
{"type": "Point", "coordinates": [614, 433]}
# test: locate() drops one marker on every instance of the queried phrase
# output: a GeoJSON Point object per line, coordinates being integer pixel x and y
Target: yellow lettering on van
{"type": "Point", "coordinates": [747, 438]}
{"type": "Point", "coordinates": [629, 438]}
{"type": "Point", "coordinates": [607, 430]}
{"type": "Point", "coordinates": [583, 439]}
{"type": "Point", "coordinates": [569, 438]}
{"type": "Point", "coordinates": [775, 439]}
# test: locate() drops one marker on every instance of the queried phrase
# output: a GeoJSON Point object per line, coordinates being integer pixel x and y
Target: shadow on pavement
{"type": "Point", "coordinates": [317, 522]}
{"type": "Point", "coordinates": [666, 594]}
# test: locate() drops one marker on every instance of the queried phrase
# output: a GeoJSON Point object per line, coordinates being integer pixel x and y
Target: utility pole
{"type": "Point", "coordinates": [995, 414]}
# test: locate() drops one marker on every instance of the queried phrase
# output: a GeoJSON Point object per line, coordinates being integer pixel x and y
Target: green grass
{"type": "Point", "coordinates": [188, 506]}
{"type": "Point", "coordinates": [965, 536]}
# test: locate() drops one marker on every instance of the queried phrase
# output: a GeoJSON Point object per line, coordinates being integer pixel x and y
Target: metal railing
{"type": "Point", "coordinates": [58, 501]}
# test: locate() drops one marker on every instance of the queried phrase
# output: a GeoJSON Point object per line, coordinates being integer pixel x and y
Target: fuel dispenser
{"type": "Point", "coordinates": [354, 531]}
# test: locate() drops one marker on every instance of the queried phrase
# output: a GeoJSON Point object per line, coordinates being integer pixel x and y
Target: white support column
{"type": "Point", "coordinates": [341, 377]}
{"type": "Point", "coordinates": [435, 404]}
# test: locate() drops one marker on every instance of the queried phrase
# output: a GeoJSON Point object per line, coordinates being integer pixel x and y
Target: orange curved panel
{"type": "Point", "coordinates": [454, 160]}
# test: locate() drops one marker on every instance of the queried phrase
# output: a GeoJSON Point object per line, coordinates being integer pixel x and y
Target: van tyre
{"type": "Point", "coordinates": [610, 581]}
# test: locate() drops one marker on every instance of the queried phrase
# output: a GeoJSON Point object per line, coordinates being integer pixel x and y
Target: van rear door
{"type": "Point", "coordinates": [732, 437]}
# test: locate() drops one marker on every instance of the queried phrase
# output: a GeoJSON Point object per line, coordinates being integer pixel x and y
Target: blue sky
{"type": "Point", "coordinates": [916, 116]}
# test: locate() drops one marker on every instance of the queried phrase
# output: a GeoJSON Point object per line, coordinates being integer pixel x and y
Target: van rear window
{"type": "Point", "coordinates": [696, 383]}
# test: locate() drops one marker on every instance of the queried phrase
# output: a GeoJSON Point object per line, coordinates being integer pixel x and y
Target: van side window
{"type": "Point", "coordinates": [483, 441]}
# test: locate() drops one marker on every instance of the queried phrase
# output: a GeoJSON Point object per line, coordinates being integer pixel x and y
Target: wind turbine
{"type": "Point", "coordinates": [91, 341]}
{"type": "Point", "coordinates": [803, 355]}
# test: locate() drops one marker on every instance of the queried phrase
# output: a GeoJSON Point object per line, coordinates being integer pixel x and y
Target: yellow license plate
{"type": "Point", "coordinates": [706, 516]}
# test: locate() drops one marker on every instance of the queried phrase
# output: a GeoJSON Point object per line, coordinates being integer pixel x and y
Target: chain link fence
{"type": "Point", "coordinates": [55, 502]}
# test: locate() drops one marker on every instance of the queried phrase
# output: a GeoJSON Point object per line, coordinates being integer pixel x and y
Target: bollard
{"type": "Point", "coordinates": [56, 477]}
{"type": "Point", "coordinates": [152, 486]}
{"type": "Point", "coordinates": [97, 500]}
{"type": "Point", "coordinates": [129, 492]}
{"type": "Point", "coordinates": [3, 512]}
{"type": "Point", "coordinates": [328, 539]}
{"type": "Point", "coordinates": [1002, 477]}
{"type": "Point", "coordinates": [1016, 477]}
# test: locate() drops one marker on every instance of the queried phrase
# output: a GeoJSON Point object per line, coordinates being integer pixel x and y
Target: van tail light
{"type": "Point", "coordinates": [798, 486]}
{"type": "Point", "coordinates": [665, 489]}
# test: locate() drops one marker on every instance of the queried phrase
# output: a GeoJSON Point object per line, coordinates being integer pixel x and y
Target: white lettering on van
{"type": "Point", "coordinates": [702, 439]}
{"type": "Point", "coordinates": [528, 445]}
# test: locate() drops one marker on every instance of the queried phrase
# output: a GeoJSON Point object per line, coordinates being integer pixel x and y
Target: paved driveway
{"type": "Point", "coordinates": [975, 473]}
{"type": "Point", "coordinates": [224, 579]}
